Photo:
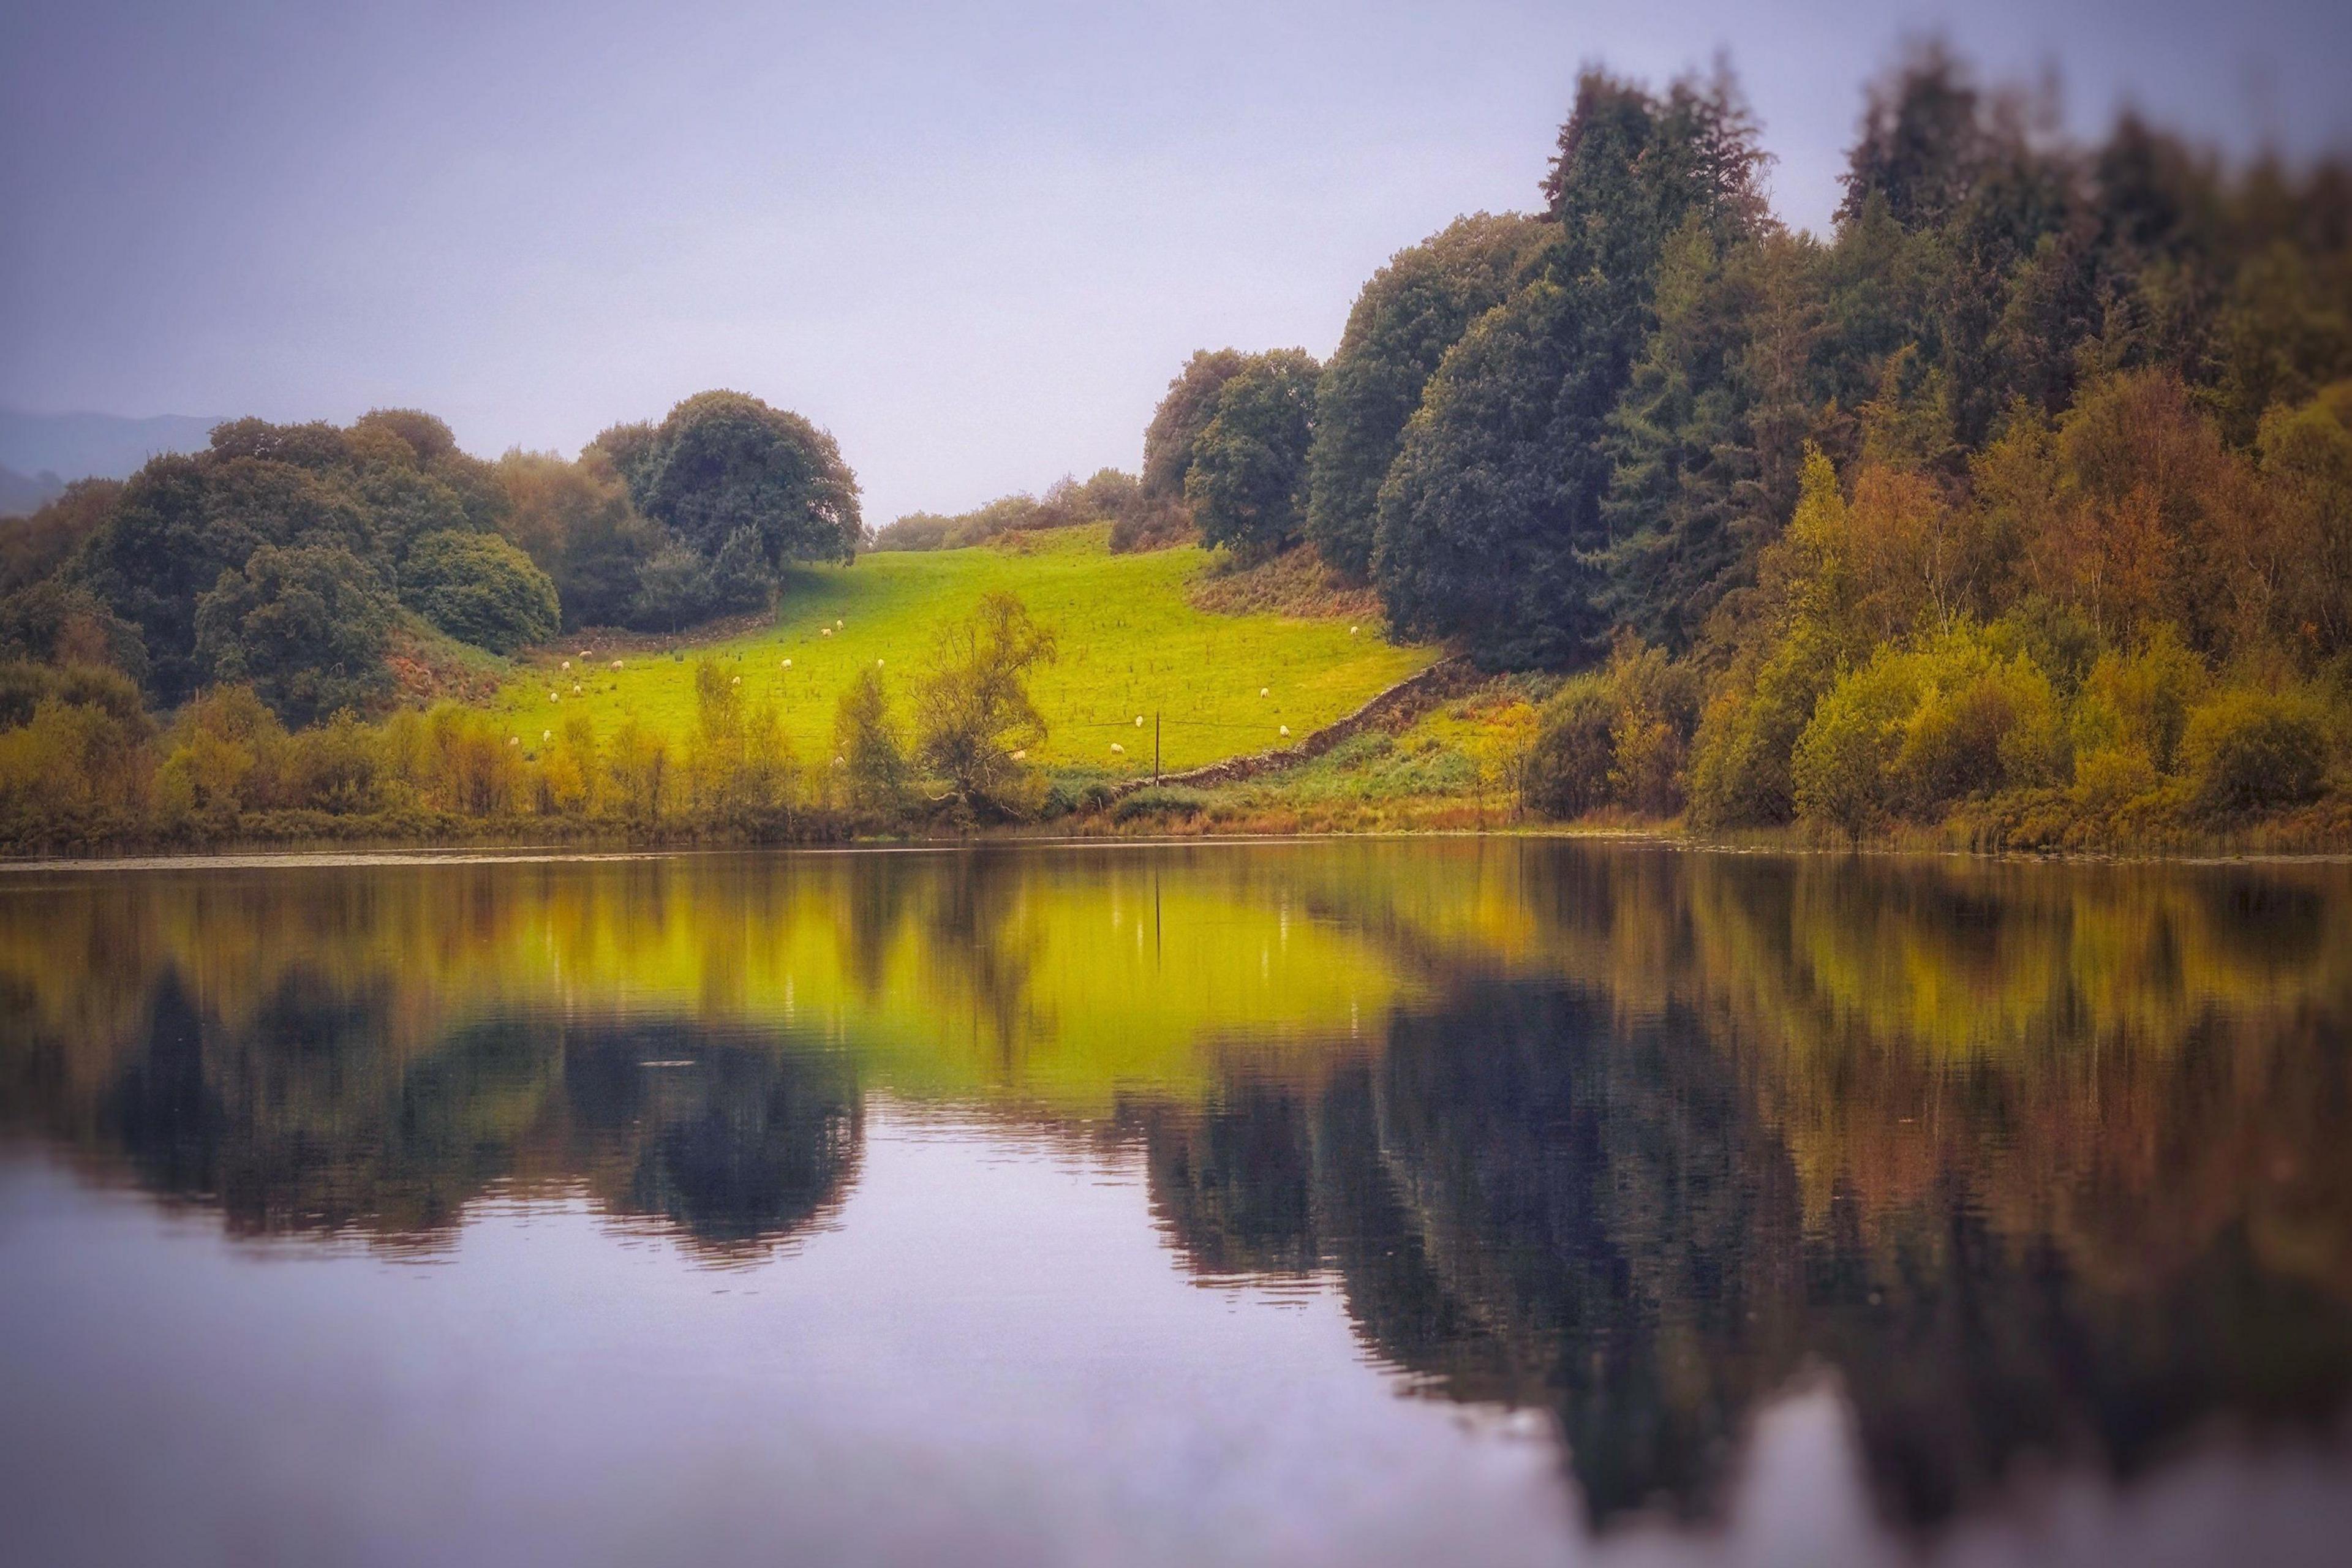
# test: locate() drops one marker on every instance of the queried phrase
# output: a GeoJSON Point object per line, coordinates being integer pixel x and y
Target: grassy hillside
{"type": "Point", "coordinates": [1131, 643]}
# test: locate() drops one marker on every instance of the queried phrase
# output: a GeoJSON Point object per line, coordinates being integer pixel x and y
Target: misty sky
{"type": "Point", "coordinates": [973, 241]}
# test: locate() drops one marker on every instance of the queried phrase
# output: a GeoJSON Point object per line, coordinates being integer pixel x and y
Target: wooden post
{"type": "Point", "coordinates": [1155, 745]}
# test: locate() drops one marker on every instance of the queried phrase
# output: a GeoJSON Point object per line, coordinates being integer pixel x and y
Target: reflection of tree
{"type": "Point", "coordinates": [301, 1121]}
{"type": "Point", "coordinates": [1231, 1181]}
{"type": "Point", "coordinates": [2040, 1164]}
{"type": "Point", "coordinates": [737, 1143]}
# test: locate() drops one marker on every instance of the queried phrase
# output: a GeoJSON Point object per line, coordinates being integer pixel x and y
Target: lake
{"type": "Point", "coordinates": [1343, 1202]}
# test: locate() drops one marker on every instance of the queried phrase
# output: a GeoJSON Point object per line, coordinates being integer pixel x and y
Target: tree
{"type": "Point", "coordinates": [1493, 493]}
{"type": "Point", "coordinates": [723, 463]}
{"type": "Point", "coordinates": [1489, 518]}
{"type": "Point", "coordinates": [973, 710]}
{"type": "Point", "coordinates": [866, 740]}
{"type": "Point", "coordinates": [1412, 311]}
{"type": "Point", "coordinates": [1247, 484]}
{"type": "Point", "coordinates": [479, 589]}
{"type": "Point", "coordinates": [575, 521]}
{"type": "Point", "coordinates": [31, 548]}
{"type": "Point", "coordinates": [1183, 413]}
{"type": "Point", "coordinates": [150, 561]}
{"type": "Point", "coordinates": [306, 626]}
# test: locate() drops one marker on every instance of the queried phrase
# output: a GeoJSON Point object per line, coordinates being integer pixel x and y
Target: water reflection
{"type": "Point", "coordinates": [2039, 1163]}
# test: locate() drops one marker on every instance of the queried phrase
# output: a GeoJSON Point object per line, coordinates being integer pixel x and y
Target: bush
{"type": "Point", "coordinates": [2142, 698]}
{"type": "Point", "coordinates": [480, 589]}
{"type": "Point", "coordinates": [1160, 800]}
{"type": "Point", "coordinates": [1915, 732]}
{"type": "Point", "coordinates": [871, 753]}
{"type": "Point", "coordinates": [2251, 751]}
{"type": "Point", "coordinates": [1565, 774]}
{"type": "Point", "coordinates": [1617, 736]}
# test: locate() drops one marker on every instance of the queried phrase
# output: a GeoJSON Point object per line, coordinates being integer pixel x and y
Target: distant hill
{"type": "Point", "coordinates": [101, 445]}
{"type": "Point", "coordinates": [24, 494]}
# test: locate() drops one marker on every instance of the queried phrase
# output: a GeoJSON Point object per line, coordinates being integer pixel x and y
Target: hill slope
{"type": "Point", "coordinates": [1131, 643]}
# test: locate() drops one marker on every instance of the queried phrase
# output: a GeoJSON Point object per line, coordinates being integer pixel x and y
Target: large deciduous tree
{"type": "Point", "coordinates": [1183, 413]}
{"type": "Point", "coordinates": [1247, 486]}
{"type": "Point", "coordinates": [1412, 311]}
{"type": "Point", "coordinates": [306, 626]}
{"type": "Point", "coordinates": [724, 464]}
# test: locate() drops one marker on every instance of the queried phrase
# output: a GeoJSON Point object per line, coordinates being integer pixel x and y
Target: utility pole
{"type": "Point", "coordinates": [1155, 745]}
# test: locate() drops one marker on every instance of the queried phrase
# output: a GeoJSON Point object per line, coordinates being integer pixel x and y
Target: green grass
{"type": "Point", "coordinates": [1130, 644]}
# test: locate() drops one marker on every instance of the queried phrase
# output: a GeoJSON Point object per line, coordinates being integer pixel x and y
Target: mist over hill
{"type": "Point", "coordinates": [21, 495]}
{"type": "Point", "coordinates": [94, 446]}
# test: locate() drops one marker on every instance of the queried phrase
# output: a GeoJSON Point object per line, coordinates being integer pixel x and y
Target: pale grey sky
{"type": "Point", "coordinates": [973, 241]}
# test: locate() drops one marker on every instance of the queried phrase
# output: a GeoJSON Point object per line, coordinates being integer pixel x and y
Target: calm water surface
{"type": "Point", "coordinates": [1462, 1202]}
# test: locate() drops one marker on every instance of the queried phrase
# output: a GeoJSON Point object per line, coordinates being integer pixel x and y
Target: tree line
{"type": "Point", "coordinates": [296, 558]}
{"type": "Point", "coordinates": [2025, 495]}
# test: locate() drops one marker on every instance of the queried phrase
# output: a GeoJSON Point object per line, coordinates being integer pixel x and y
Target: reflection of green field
{"type": "Point", "coordinates": [1130, 644]}
{"type": "Point", "coordinates": [947, 976]}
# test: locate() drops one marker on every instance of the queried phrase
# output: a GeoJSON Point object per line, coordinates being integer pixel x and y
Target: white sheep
{"type": "Point", "coordinates": [547, 734]}
{"type": "Point", "coordinates": [786, 665]}
{"type": "Point", "coordinates": [1022, 755]}
{"type": "Point", "coordinates": [839, 622]}
{"type": "Point", "coordinates": [551, 697]}
{"type": "Point", "coordinates": [585, 653]}
{"type": "Point", "coordinates": [1286, 731]}
{"type": "Point", "coordinates": [514, 739]}
{"type": "Point", "coordinates": [877, 664]}
{"type": "Point", "coordinates": [737, 681]}
{"type": "Point", "coordinates": [567, 663]}
{"type": "Point", "coordinates": [1139, 721]}
{"type": "Point", "coordinates": [840, 762]}
{"type": "Point", "coordinates": [1352, 630]}
{"type": "Point", "coordinates": [1265, 691]}
{"type": "Point", "coordinates": [1116, 750]}
{"type": "Point", "coordinates": [824, 631]}
{"type": "Point", "coordinates": [617, 663]}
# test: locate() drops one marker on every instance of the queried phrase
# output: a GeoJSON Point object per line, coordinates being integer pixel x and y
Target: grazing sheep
{"type": "Point", "coordinates": [1352, 630]}
{"type": "Point", "coordinates": [786, 665]}
{"type": "Point", "coordinates": [877, 664]}
{"type": "Point", "coordinates": [824, 631]}
{"type": "Point", "coordinates": [737, 681]}
{"type": "Point", "coordinates": [1265, 691]}
{"type": "Point", "coordinates": [1139, 721]}
{"type": "Point", "coordinates": [1116, 750]}
{"type": "Point", "coordinates": [547, 734]}
{"type": "Point", "coordinates": [514, 739]}
{"type": "Point", "coordinates": [567, 663]}
{"type": "Point", "coordinates": [1286, 731]}
{"type": "Point", "coordinates": [840, 762]}
{"type": "Point", "coordinates": [551, 697]}
{"type": "Point", "coordinates": [585, 653]}
{"type": "Point", "coordinates": [617, 663]}
{"type": "Point", "coordinates": [575, 688]}
{"type": "Point", "coordinates": [1022, 755]}
{"type": "Point", "coordinates": [839, 622]}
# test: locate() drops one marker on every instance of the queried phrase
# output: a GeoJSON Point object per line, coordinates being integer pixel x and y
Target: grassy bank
{"type": "Point", "coordinates": [1131, 643]}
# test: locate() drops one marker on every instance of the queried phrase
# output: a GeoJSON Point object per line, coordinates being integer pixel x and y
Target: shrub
{"type": "Point", "coordinates": [1916, 731]}
{"type": "Point", "coordinates": [1565, 774]}
{"type": "Point", "coordinates": [2251, 751]}
{"type": "Point", "coordinates": [1618, 736]}
{"type": "Point", "coordinates": [480, 589]}
{"type": "Point", "coordinates": [2142, 698]}
{"type": "Point", "coordinates": [872, 751]}
{"type": "Point", "coordinates": [1160, 800]}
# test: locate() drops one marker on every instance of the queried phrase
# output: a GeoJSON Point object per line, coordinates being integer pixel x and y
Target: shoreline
{"type": "Point", "coordinates": [261, 856]}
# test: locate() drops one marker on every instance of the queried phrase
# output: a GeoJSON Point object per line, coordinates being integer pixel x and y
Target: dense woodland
{"type": "Point", "coordinates": [2018, 510]}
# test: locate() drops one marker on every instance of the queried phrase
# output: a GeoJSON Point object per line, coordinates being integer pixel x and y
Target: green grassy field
{"type": "Point", "coordinates": [1130, 644]}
